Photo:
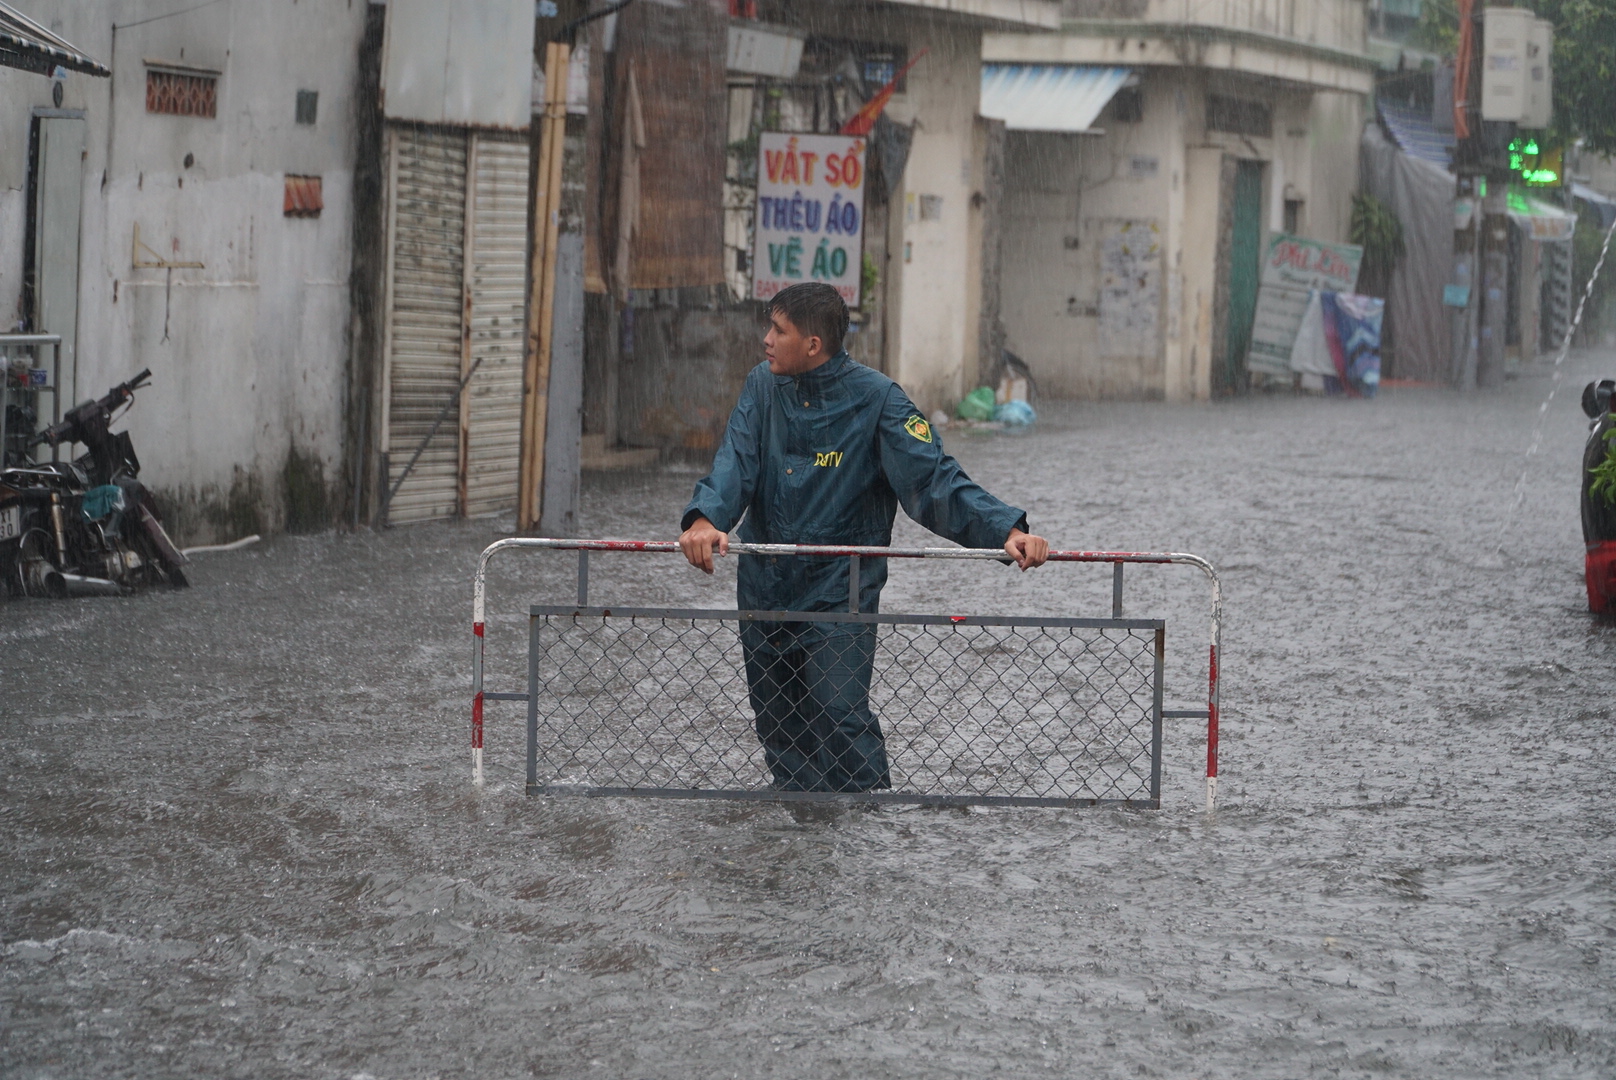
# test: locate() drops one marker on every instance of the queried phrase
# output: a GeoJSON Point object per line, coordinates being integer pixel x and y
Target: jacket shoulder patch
{"type": "Point", "coordinates": [917, 426]}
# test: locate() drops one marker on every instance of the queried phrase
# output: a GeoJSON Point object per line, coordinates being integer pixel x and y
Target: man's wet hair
{"type": "Point", "coordinates": [816, 310]}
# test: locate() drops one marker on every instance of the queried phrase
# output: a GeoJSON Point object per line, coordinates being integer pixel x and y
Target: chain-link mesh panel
{"type": "Point", "coordinates": [909, 708]}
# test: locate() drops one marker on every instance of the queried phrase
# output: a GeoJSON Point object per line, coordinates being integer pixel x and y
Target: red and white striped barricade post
{"type": "Point", "coordinates": [1118, 559]}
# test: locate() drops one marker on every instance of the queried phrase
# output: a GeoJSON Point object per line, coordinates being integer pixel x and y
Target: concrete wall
{"type": "Point", "coordinates": [931, 328]}
{"type": "Point", "coordinates": [248, 353]}
{"type": "Point", "coordinates": [1066, 194]}
{"type": "Point", "coordinates": [682, 379]}
{"type": "Point", "coordinates": [1330, 23]}
{"type": "Point", "coordinates": [1334, 125]}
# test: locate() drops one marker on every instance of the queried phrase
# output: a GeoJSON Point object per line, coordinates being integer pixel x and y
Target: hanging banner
{"type": "Point", "coordinates": [1294, 267]}
{"type": "Point", "coordinates": [810, 213]}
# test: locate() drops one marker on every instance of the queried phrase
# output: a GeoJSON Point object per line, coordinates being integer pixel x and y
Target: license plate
{"type": "Point", "coordinates": [10, 522]}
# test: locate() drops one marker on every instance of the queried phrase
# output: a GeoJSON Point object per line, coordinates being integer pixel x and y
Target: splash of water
{"type": "Point", "coordinates": [1554, 388]}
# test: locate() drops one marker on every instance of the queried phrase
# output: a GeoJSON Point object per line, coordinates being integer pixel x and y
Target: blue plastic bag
{"type": "Point", "coordinates": [1014, 414]}
{"type": "Point", "coordinates": [101, 501]}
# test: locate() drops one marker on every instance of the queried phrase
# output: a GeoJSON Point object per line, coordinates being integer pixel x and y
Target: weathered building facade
{"type": "Point", "coordinates": [1131, 245]}
{"type": "Point", "coordinates": [667, 354]}
{"type": "Point", "coordinates": [313, 240]}
{"type": "Point", "coordinates": [211, 175]}
{"type": "Point", "coordinates": [316, 234]}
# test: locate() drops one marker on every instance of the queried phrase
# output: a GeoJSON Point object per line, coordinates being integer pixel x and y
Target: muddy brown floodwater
{"type": "Point", "coordinates": [240, 838]}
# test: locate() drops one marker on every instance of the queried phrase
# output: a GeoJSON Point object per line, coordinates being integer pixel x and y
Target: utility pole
{"type": "Point", "coordinates": [552, 400]}
{"type": "Point", "coordinates": [1481, 234]}
{"type": "Point", "coordinates": [1502, 86]}
{"type": "Point", "coordinates": [1504, 60]}
{"type": "Point", "coordinates": [1466, 195]}
{"type": "Point", "coordinates": [541, 299]}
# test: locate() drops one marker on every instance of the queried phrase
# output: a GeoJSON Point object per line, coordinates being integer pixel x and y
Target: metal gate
{"type": "Point", "coordinates": [496, 286]}
{"type": "Point", "coordinates": [456, 304]}
{"type": "Point", "coordinates": [426, 238]}
{"type": "Point", "coordinates": [975, 709]}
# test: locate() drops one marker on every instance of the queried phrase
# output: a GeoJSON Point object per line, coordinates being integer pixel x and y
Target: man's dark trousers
{"type": "Point", "coordinates": [810, 692]}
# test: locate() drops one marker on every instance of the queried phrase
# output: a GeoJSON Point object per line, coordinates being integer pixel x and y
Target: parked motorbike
{"type": "Point", "coordinates": [87, 527]}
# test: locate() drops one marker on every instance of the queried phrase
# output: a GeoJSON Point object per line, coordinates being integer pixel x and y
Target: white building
{"type": "Point", "coordinates": [214, 222]}
{"type": "Point", "coordinates": [1195, 127]}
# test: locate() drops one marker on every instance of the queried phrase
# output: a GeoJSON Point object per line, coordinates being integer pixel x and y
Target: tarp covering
{"type": "Point", "coordinates": [1048, 97]}
{"type": "Point", "coordinates": [27, 45]}
{"type": "Point", "coordinates": [1419, 342]}
{"type": "Point", "coordinates": [1340, 339]}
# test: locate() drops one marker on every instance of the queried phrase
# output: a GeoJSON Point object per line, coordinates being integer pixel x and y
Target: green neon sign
{"type": "Point", "coordinates": [1535, 167]}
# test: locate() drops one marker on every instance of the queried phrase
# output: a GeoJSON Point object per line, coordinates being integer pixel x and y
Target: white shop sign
{"type": "Point", "coordinates": [1294, 266]}
{"type": "Point", "coordinates": [810, 213]}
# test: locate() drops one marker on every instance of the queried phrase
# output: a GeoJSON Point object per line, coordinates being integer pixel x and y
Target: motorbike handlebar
{"type": "Point", "coordinates": [113, 398]}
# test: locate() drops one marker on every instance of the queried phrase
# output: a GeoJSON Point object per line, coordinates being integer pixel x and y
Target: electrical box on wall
{"type": "Point", "coordinates": [1503, 63]}
{"type": "Point", "coordinates": [1516, 72]}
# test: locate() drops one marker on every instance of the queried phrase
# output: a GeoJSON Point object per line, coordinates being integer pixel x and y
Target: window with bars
{"type": "Point", "coordinates": [1239, 116]}
{"type": "Point", "coordinates": [1128, 106]}
{"type": "Point", "coordinates": [182, 93]}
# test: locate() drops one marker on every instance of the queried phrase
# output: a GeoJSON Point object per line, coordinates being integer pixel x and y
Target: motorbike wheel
{"type": "Point", "coordinates": [26, 572]}
{"type": "Point", "coordinates": [155, 569]}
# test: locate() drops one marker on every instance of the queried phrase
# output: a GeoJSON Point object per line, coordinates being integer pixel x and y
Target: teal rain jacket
{"type": "Point", "coordinates": [825, 458]}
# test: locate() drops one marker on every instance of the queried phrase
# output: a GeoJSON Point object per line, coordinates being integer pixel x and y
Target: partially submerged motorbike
{"type": "Point", "coordinates": [1599, 503]}
{"type": "Point", "coordinates": [87, 527]}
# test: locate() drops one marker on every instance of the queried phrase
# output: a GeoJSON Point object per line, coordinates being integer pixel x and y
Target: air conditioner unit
{"type": "Point", "coordinates": [762, 49]}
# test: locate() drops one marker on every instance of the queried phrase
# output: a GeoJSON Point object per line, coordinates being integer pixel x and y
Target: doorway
{"type": "Point", "coordinates": [56, 140]}
{"type": "Point", "coordinates": [1239, 271]}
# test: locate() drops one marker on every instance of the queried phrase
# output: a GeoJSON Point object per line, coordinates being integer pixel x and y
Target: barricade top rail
{"type": "Point", "coordinates": [855, 552]}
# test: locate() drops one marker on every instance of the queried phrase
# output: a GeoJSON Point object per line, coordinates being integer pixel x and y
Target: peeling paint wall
{"type": "Point", "coordinates": [248, 353]}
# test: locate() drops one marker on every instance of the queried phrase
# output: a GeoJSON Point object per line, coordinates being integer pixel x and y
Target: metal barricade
{"type": "Point", "coordinates": [976, 709]}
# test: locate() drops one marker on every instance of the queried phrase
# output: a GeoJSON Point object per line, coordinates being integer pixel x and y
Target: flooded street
{"type": "Point", "coordinates": [240, 838]}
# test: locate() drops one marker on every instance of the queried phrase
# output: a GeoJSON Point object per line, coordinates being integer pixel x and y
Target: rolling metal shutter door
{"type": "Point", "coordinates": [427, 238]}
{"type": "Point", "coordinates": [497, 280]}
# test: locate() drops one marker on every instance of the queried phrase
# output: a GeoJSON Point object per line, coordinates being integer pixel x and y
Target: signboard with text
{"type": "Point", "coordinates": [810, 213]}
{"type": "Point", "coordinates": [1292, 269]}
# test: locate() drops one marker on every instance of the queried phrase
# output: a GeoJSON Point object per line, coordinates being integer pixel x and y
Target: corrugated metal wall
{"type": "Point", "coordinates": [427, 224]}
{"type": "Point", "coordinates": [497, 279]}
{"type": "Point", "coordinates": [457, 235]}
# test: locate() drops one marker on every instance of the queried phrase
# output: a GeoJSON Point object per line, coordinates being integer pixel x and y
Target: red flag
{"type": "Point", "coordinates": [861, 122]}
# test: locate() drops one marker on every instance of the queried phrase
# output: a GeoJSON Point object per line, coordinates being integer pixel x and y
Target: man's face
{"type": "Point", "coordinates": [788, 351]}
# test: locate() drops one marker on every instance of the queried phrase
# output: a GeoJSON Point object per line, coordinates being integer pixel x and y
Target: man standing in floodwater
{"type": "Point", "coordinates": [820, 450]}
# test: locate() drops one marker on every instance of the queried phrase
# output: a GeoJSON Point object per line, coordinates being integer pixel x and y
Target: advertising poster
{"type": "Point", "coordinates": [810, 213]}
{"type": "Point", "coordinates": [1293, 268]}
{"type": "Point", "coordinates": [1130, 288]}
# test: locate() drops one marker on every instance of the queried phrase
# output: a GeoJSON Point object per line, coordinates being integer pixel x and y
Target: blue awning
{"type": "Point", "coordinates": [1048, 97]}
{"type": "Point", "coordinates": [1415, 135]}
